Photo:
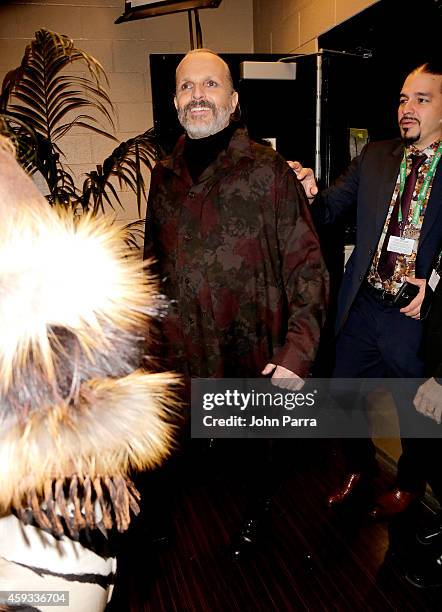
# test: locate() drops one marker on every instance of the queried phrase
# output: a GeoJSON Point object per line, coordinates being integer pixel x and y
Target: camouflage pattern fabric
{"type": "Point", "coordinates": [240, 260]}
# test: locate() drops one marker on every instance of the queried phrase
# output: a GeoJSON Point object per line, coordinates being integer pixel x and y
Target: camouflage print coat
{"type": "Point", "coordinates": [240, 260]}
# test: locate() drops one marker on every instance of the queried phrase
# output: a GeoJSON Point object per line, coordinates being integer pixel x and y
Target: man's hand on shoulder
{"type": "Point", "coordinates": [306, 177]}
{"type": "Point", "coordinates": [428, 400]}
{"type": "Point", "coordinates": [281, 377]}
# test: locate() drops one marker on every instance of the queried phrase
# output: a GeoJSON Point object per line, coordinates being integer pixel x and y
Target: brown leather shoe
{"type": "Point", "coordinates": [347, 487]}
{"type": "Point", "coordinates": [394, 502]}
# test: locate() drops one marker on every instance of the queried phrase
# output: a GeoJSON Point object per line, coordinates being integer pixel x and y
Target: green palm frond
{"type": "Point", "coordinates": [24, 139]}
{"type": "Point", "coordinates": [134, 234]}
{"type": "Point", "coordinates": [41, 96]}
{"type": "Point", "coordinates": [41, 101]}
{"type": "Point", "coordinates": [125, 164]}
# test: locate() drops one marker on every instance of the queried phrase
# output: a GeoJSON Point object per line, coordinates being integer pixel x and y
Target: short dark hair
{"type": "Point", "coordinates": [430, 67]}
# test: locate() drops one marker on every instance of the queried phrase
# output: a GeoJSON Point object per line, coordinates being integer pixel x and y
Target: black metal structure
{"type": "Point", "coordinates": [397, 41]}
{"type": "Point", "coordinates": [155, 8]}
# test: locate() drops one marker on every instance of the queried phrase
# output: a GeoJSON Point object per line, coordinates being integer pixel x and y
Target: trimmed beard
{"type": "Point", "coordinates": [196, 129]}
{"type": "Point", "coordinates": [409, 140]}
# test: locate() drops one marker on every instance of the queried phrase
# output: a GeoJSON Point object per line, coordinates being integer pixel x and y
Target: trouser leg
{"type": "Point", "coordinates": [262, 482]}
{"type": "Point", "coordinates": [400, 345]}
{"type": "Point", "coordinates": [421, 448]}
{"type": "Point", "coordinates": [358, 356]}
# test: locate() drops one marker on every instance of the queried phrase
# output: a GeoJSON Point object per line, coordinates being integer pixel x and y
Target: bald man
{"type": "Point", "coordinates": [229, 226]}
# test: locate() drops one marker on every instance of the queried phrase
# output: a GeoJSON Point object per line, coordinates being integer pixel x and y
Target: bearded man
{"type": "Point", "coordinates": [229, 227]}
{"type": "Point", "coordinates": [396, 188]}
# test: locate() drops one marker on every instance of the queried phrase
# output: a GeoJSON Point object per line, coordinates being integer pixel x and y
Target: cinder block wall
{"type": "Point", "coordinates": [123, 50]}
{"type": "Point", "coordinates": [287, 26]}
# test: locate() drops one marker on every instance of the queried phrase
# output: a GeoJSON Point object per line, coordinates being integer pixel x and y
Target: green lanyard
{"type": "Point", "coordinates": [425, 186]}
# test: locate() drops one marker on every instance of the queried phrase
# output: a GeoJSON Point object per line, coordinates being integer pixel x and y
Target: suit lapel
{"type": "Point", "coordinates": [387, 181]}
{"type": "Point", "coordinates": [434, 207]}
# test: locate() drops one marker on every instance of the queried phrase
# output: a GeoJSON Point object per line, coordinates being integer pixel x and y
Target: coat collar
{"type": "Point", "coordinates": [239, 148]}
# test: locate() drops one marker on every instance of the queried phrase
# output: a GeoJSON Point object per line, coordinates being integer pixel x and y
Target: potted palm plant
{"type": "Point", "coordinates": [41, 102]}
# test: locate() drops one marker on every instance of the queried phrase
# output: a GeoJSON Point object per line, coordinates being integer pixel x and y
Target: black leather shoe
{"type": "Point", "coordinates": [253, 530]}
{"type": "Point", "coordinates": [245, 542]}
{"type": "Point", "coordinates": [431, 531]}
{"type": "Point", "coordinates": [429, 575]}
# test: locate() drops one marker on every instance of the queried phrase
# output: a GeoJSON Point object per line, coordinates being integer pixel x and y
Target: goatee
{"type": "Point", "coordinates": [409, 140]}
{"type": "Point", "coordinates": [201, 129]}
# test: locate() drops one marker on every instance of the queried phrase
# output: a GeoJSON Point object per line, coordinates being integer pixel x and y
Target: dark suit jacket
{"type": "Point", "coordinates": [368, 184]}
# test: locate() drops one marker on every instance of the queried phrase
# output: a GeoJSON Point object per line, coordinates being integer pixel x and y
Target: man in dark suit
{"type": "Point", "coordinates": [396, 187]}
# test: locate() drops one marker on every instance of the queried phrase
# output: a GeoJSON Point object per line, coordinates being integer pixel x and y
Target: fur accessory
{"type": "Point", "coordinates": [77, 411]}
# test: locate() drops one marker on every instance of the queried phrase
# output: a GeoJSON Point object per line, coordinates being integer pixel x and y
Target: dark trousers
{"type": "Point", "coordinates": [378, 341]}
{"type": "Point", "coordinates": [252, 463]}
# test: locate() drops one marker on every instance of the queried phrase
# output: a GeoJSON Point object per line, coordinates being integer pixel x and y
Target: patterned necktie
{"type": "Point", "coordinates": [387, 260]}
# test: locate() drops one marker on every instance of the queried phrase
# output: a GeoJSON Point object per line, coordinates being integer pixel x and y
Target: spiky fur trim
{"type": "Point", "coordinates": [76, 413]}
{"type": "Point", "coordinates": [119, 426]}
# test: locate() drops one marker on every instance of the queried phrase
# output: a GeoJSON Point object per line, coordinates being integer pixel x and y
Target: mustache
{"type": "Point", "coordinates": [408, 118]}
{"type": "Point", "coordinates": [199, 104]}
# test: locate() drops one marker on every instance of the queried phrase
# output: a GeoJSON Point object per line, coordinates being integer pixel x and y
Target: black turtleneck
{"type": "Point", "coordinates": [199, 153]}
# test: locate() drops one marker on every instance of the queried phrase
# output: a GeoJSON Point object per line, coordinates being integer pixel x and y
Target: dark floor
{"type": "Point", "coordinates": [312, 559]}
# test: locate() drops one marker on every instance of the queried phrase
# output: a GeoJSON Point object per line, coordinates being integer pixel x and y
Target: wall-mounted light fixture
{"type": "Point", "coordinates": [268, 70]}
{"type": "Point", "coordinates": [143, 9]}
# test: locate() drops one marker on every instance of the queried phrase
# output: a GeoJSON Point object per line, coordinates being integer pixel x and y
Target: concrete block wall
{"type": "Point", "coordinates": [288, 26]}
{"type": "Point", "coordinates": [123, 51]}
